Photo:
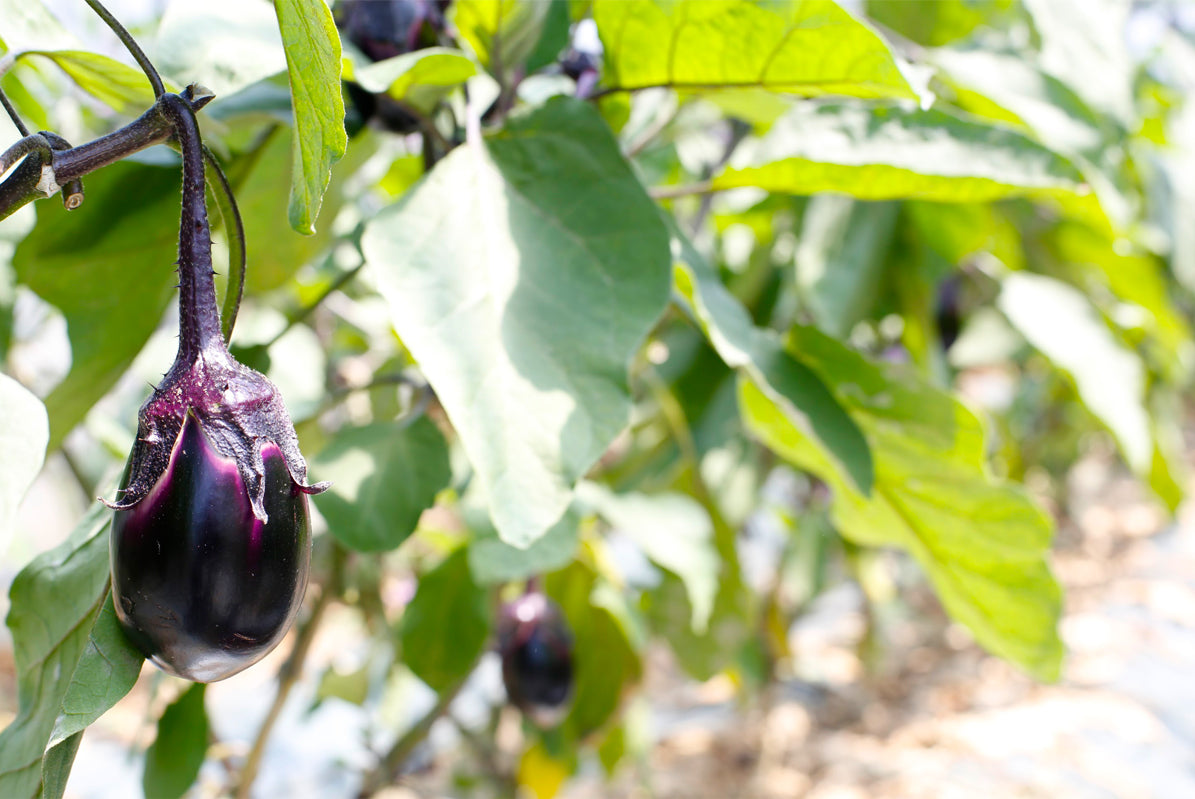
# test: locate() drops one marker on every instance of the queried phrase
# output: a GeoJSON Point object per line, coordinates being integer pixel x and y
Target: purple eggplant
{"type": "Point", "coordinates": [211, 541]}
{"type": "Point", "coordinates": [536, 646]}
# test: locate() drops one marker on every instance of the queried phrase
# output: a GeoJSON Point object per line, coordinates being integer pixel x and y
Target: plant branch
{"type": "Point", "coordinates": [44, 170]}
{"type": "Point", "coordinates": [126, 38]}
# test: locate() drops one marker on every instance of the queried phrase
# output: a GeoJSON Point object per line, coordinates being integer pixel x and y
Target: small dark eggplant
{"type": "Point", "coordinates": [536, 646]}
{"type": "Point", "coordinates": [211, 541]}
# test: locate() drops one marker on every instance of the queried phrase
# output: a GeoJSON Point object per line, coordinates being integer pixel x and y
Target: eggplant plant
{"type": "Point", "coordinates": [606, 328]}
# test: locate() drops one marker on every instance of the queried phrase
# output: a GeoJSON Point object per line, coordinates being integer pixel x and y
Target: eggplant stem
{"type": "Point", "coordinates": [199, 316]}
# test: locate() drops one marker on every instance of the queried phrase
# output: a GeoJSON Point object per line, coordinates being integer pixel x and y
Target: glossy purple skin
{"type": "Point", "coordinates": [201, 586]}
{"type": "Point", "coordinates": [536, 646]}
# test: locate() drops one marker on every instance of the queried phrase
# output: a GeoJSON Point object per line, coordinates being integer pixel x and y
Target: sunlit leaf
{"type": "Point", "coordinates": [798, 392]}
{"type": "Point", "coordinates": [525, 326]}
{"type": "Point", "coordinates": [313, 61]}
{"type": "Point", "coordinates": [501, 33]}
{"type": "Point", "coordinates": [982, 543]}
{"type": "Point", "coordinates": [887, 152]}
{"type": "Point", "coordinates": [807, 48]}
{"type": "Point", "coordinates": [118, 85]}
{"type": "Point", "coordinates": [419, 78]}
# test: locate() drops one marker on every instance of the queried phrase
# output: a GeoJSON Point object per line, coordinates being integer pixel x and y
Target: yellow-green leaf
{"type": "Point", "coordinates": [313, 64]}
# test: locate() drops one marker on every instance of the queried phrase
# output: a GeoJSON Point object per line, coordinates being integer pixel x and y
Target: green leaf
{"type": "Point", "coordinates": [54, 603]}
{"type": "Point", "coordinates": [173, 760]}
{"type": "Point", "coordinates": [840, 259]}
{"type": "Point", "coordinates": [118, 85]}
{"type": "Point", "coordinates": [671, 529]}
{"type": "Point", "coordinates": [501, 33]}
{"type": "Point", "coordinates": [420, 78]}
{"type": "Point", "coordinates": [809, 48]}
{"type": "Point", "coordinates": [313, 63]}
{"type": "Point", "coordinates": [445, 626]}
{"type": "Point", "coordinates": [796, 391]}
{"type": "Point", "coordinates": [1061, 323]}
{"type": "Point", "coordinates": [57, 767]}
{"type": "Point", "coordinates": [384, 475]}
{"type": "Point", "coordinates": [983, 543]}
{"type": "Point", "coordinates": [24, 432]}
{"type": "Point", "coordinates": [107, 670]}
{"type": "Point", "coordinates": [115, 295]}
{"type": "Point", "coordinates": [493, 561]}
{"type": "Point", "coordinates": [226, 45]}
{"type": "Point", "coordinates": [886, 152]}
{"type": "Point", "coordinates": [604, 657]}
{"type": "Point", "coordinates": [525, 326]}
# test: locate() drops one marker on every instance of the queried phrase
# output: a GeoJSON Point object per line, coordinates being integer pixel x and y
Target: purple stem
{"type": "Point", "coordinates": [199, 315]}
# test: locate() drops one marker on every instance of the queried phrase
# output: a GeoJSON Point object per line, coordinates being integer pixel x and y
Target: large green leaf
{"type": "Point", "coordinates": [173, 760]}
{"type": "Point", "coordinates": [384, 476]}
{"type": "Point", "coordinates": [523, 275]}
{"type": "Point", "coordinates": [806, 47]}
{"type": "Point", "coordinates": [313, 62]}
{"type": "Point", "coordinates": [1060, 322]}
{"type": "Point", "coordinates": [671, 529]}
{"type": "Point", "coordinates": [798, 392]}
{"type": "Point", "coordinates": [982, 543]}
{"type": "Point", "coordinates": [24, 432]}
{"type": "Point", "coordinates": [887, 152]}
{"type": "Point", "coordinates": [109, 268]}
{"type": "Point", "coordinates": [445, 626]}
{"type": "Point", "coordinates": [56, 600]}
{"type": "Point", "coordinates": [118, 85]}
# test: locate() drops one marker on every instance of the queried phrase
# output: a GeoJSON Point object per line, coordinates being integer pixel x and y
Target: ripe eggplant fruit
{"type": "Point", "coordinates": [211, 541]}
{"type": "Point", "coordinates": [536, 646]}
